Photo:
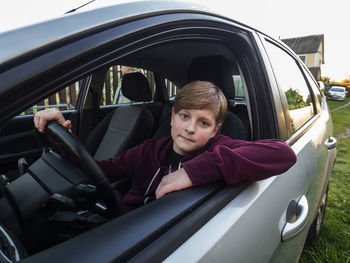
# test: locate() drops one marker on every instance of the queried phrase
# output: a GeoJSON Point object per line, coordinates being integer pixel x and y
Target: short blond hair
{"type": "Point", "coordinates": [202, 95]}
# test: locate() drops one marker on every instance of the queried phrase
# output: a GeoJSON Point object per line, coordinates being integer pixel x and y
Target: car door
{"type": "Point", "coordinates": [269, 220]}
{"type": "Point", "coordinates": [309, 131]}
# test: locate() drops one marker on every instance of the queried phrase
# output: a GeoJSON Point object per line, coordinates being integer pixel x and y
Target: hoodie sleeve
{"type": "Point", "coordinates": [237, 161]}
{"type": "Point", "coordinates": [116, 168]}
{"type": "Point", "coordinates": [122, 166]}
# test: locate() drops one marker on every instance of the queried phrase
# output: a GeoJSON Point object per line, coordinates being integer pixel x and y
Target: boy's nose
{"type": "Point", "coordinates": [191, 127]}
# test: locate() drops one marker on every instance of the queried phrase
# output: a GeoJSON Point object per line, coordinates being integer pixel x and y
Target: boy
{"type": "Point", "coordinates": [194, 154]}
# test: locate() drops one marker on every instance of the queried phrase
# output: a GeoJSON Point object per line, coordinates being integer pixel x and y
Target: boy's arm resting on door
{"type": "Point", "coordinates": [174, 181]}
{"type": "Point", "coordinates": [237, 161]}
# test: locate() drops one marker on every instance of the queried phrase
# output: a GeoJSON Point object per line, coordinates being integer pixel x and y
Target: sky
{"type": "Point", "coordinates": [278, 18]}
{"type": "Point", "coordinates": [286, 19]}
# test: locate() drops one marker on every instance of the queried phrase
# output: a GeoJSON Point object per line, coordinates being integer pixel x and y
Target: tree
{"type": "Point", "coordinates": [295, 99]}
{"type": "Point", "coordinates": [345, 82]}
{"type": "Point", "coordinates": [326, 79]}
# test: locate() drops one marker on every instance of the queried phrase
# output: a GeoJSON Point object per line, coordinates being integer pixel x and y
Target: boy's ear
{"type": "Point", "coordinates": [216, 130]}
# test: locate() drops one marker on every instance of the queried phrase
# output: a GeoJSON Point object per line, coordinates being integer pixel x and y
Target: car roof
{"type": "Point", "coordinates": [59, 28]}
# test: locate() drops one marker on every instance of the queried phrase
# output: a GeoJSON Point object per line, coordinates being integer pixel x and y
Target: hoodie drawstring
{"type": "Point", "coordinates": [180, 164]}
{"type": "Point", "coordinates": [154, 177]}
{"type": "Point", "coordinates": [150, 184]}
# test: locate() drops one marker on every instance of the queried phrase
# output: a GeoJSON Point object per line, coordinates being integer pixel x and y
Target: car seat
{"type": "Point", "coordinates": [126, 126]}
{"type": "Point", "coordinates": [215, 69]}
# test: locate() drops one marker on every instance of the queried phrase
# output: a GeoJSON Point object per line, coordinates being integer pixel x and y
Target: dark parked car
{"type": "Point", "coordinates": [50, 210]}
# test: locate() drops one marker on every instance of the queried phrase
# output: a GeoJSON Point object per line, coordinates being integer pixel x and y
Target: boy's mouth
{"type": "Point", "coordinates": [186, 139]}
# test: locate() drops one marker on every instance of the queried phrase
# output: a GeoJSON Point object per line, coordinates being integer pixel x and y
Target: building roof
{"type": "Point", "coordinates": [307, 44]}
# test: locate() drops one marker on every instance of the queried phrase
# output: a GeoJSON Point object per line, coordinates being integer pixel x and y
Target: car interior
{"type": "Point", "coordinates": [62, 199]}
{"type": "Point", "coordinates": [120, 129]}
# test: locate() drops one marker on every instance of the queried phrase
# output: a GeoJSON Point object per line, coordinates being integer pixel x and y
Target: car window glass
{"type": "Point", "coordinates": [65, 99]}
{"type": "Point", "coordinates": [112, 93]}
{"type": "Point", "coordinates": [171, 88]}
{"type": "Point", "coordinates": [239, 91]}
{"type": "Point", "coordinates": [291, 81]}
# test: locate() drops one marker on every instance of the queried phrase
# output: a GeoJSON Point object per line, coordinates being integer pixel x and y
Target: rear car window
{"type": "Point", "coordinates": [293, 85]}
{"type": "Point", "coordinates": [171, 88]}
{"type": "Point", "coordinates": [112, 93]}
{"type": "Point", "coordinates": [238, 84]}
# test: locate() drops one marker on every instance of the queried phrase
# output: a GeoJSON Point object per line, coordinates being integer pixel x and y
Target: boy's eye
{"type": "Point", "coordinates": [204, 123]}
{"type": "Point", "coordinates": [183, 116]}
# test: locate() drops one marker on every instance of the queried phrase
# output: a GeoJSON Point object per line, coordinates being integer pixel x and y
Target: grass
{"type": "Point", "coordinates": [332, 104]}
{"type": "Point", "coordinates": [341, 118]}
{"type": "Point", "coordinates": [334, 243]}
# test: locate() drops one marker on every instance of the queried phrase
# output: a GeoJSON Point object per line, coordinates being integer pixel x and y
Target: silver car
{"type": "Point", "coordinates": [51, 211]}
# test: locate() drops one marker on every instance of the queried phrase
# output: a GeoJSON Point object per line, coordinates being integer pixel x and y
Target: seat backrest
{"type": "Point", "coordinates": [233, 127]}
{"type": "Point", "coordinates": [217, 70]}
{"type": "Point", "coordinates": [126, 126]}
{"type": "Point", "coordinates": [164, 128]}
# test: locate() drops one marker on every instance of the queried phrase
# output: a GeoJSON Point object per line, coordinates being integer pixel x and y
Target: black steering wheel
{"type": "Point", "coordinates": [58, 134]}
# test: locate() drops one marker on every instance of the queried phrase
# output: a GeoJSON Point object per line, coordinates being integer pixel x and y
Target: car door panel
{"type": "Point", "coordinates": [249, 223]}
{"type": "Point", "coordinates": [314, 170]}
{"type": "Point", "coordinates": [315, 182]}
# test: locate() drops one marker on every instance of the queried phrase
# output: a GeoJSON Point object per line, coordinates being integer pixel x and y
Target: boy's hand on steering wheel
{"type": "Point", "coordinates": [42, 117]}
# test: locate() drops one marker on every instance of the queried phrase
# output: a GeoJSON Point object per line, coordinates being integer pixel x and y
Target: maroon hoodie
{"type": "Point", "coordinates": [221, 158]}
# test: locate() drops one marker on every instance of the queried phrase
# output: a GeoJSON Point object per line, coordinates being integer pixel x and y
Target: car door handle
{"type": "Point", "coordinates": [330, 143]}
{"type": "Point", "coordinates": [290, 230]}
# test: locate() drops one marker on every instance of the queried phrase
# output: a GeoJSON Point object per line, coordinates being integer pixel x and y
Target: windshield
{"type": "Point", "coordinates": [337, 89]}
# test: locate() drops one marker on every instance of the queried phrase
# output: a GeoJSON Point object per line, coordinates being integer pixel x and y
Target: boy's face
{"type": "Point", "coordinates": [191, 129]}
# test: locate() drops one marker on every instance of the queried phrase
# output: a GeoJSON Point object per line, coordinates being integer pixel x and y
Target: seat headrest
{"type": "Point", "coordinates": [135, 87]}
{"type": "Point", "coordinates": [215, 69]}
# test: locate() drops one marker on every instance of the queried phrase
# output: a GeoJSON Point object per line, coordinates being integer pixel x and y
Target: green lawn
{"type": "Point", "coordinates": [340, 117]}
{"type": "Point", "coordinates": [334, 243]}
{"type": "Point", "coordinates": [332, 104]}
